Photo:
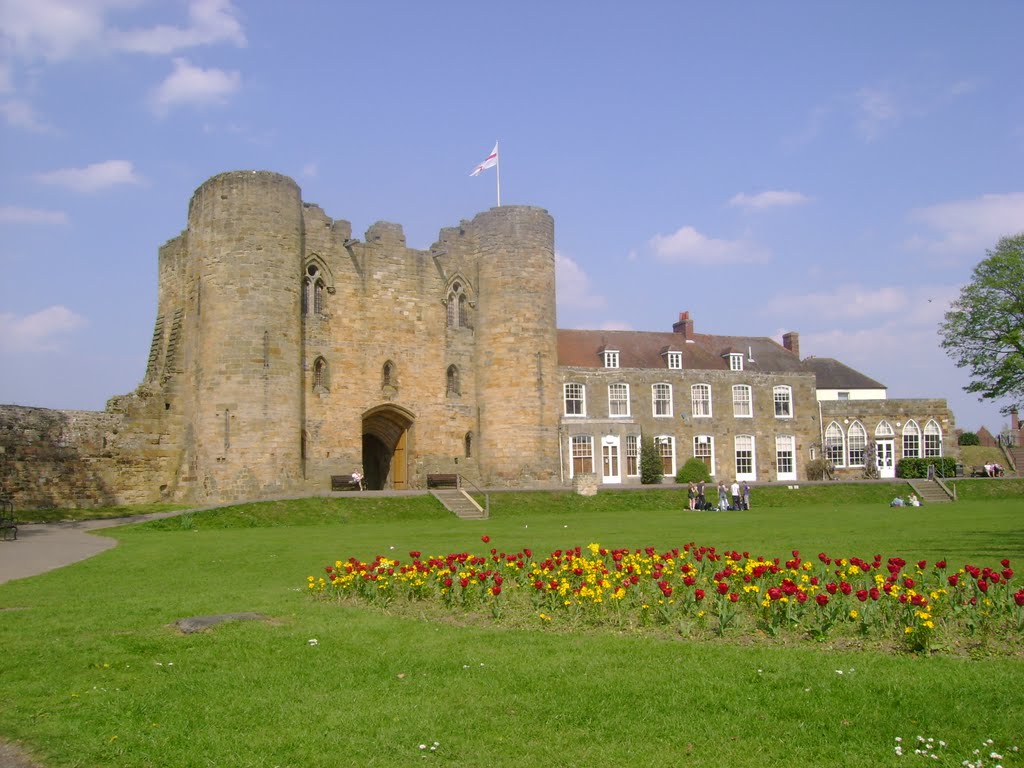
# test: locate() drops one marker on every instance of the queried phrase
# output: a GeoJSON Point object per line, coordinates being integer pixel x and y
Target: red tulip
{"type": "Point", "coordinates": [485, 538]}
{"type": "Point", "coordinates": [723, 587]}
{"type": "Point", "coordinates": [1018, 597]}
{"type": "Point", "coordinates": [953, 580]}
{"type": "Point", "coordinates": [698, 595]}
{"type": "Point", "coordinates": [821, 599]}
{"type": "Point", "coordinates": [733, 597]}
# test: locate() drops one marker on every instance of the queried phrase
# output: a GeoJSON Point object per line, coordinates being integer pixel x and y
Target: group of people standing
{"type": "Point", "coordinates": [734, 497]}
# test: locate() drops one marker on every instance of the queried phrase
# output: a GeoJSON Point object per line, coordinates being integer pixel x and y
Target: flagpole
{"type": "Point", "coordinates": [497, 175]}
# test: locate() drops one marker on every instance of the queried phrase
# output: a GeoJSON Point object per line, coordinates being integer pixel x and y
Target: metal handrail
{"type": "Point", "coordinates": [487, 497]}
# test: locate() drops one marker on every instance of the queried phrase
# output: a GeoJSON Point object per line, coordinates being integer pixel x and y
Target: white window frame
{"type": "Point", "coordinates": [737, 442]}
{"type": "Point", "coordinates": [856, 444]}
{"type": "Point", "coordinates": [737, 402]}
{"type": "Point", "coordinates": [632, 455]}
{"type": "Point", "coordinates": [912, 430]}
{"type": "Point", "coordinates": [674, 360]}
{"type": "Point", "coordinates": [785, 450]}
{"type": "Point", "coordinates": [709, 441]}
{"type": "Point", "coordinates": [655, 400]}
{"type": "Point", "coordinates": [783, 395]}
{"type": "Point", "coordinates": [735, 361]}
{"type": "Point", "coordinates": [884, 429]}
{"type": "Point", "coordinates": [835, 451]}
{"type": "Point", "coordinates": [611, 358]}
{"type": "Point", "coordinates": [931, 443]}
{"type": "Point", "coordinates": [697, 403]}
{"type": "Point", "coordinates": [578, 447]}
{"type": "Point", "coordinates": [622, 402]}
{"type": "Point", "coordinates": [666, 445]}
{"type": "Point", "coordinates": [580, 396]}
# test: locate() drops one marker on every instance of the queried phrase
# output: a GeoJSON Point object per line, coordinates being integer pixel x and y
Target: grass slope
{"type": "Point", "coordinates": [93, 675]}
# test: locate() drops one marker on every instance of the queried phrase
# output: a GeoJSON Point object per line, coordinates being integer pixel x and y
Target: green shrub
{"type": "Point", "coordinates": [911, 468]}
{"type": "Point", "coordinates": [651, 469]}
{"type": "Point", "coordinates": [968, 438]}
{"type": "Point", "coordinates": [693, 471]}
{"type": "Point", "coordinates": [820, 469]}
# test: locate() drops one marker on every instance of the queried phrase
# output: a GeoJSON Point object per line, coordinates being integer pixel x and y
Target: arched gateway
{"type": "Point", "coordinates": [386, 447]}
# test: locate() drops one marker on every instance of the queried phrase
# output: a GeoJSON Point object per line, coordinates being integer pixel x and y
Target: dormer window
{"type": "Point", "coordinates": [611, 358]}
{"type": "Point", "coordinates": [735, 361]}
{"type": "Point", "coordinates": [674, 360]}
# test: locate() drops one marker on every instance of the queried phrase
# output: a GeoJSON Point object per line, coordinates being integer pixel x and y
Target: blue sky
{"type": "Point", "coordinates": [835, 169]}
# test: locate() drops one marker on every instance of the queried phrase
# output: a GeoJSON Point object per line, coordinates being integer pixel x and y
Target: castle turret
{"type": "Point", "coordinates": [516, 345]}
{"type": "Point", "coordinates": [243, 413]}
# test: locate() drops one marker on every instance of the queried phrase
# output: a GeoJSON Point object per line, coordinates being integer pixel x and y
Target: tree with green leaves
{"type": "Point", "coordinates": [984, 329]}
{"type": "Point", "coordinates": [651, 469]}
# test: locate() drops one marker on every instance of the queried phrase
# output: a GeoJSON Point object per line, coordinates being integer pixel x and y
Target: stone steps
{"type": "Point", "coordinates": [929, 491]}
{"type": "Point", "coordinates": [459, 503]}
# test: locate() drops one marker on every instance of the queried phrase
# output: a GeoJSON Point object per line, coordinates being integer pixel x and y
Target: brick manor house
{"type": "Point", "coordinates": [286, 351]}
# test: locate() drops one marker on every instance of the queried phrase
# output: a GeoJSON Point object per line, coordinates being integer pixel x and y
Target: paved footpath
{"type": "Point", "coordinates": [42, 547]}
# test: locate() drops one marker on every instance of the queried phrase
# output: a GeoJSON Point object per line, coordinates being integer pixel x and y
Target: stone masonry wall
{"type": "Point", "coordinates": [897, 412]}
{"type": "Point", "coordinates": [722, 425]}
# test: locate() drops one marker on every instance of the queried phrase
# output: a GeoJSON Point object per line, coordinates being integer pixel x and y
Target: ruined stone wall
{"type": "Point", "coordinates": [71, 459]}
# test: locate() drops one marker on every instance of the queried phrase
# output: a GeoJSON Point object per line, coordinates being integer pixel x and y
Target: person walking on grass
{"type": "Point", "coordinates": [746, 495]}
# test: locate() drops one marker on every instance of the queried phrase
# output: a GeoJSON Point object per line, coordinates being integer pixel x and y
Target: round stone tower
{"type": "Point", "coordinates": [517, 346]}
{"type": "Point", "coordinates": [244, 347]}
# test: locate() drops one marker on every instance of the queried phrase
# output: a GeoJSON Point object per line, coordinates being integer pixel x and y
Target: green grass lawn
{"type": "Point", "coordinates": [92, 675]}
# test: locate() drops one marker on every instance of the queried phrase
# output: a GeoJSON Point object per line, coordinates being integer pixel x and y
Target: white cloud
{"type": "Point", "coordinates": [17, 215]}
{"type": "Point", "coordinates": [211, 21]}
{"type": "Point", "coordinates": [53, 29]}
{"type": "Point", "coordinates": [771, 198]}
{"type": "Point", "coordinates": [194, 85]}
{"type": "Point", "coordinates": [309, 170]}
{"type": "Point", "coordinates": [615, 325]}
{"type": "Point", "coordinates": [93, 177]}
{"type": "Point", "coordinates": [877, 110]}
{"type": "Point", "coordinates": [57, 30]}
{"type": "Point", "coordinates": [573, 286]}
{"type": "Point", "coordinates": [970, 226]}
{"type": "Point", "coordinates": [40, 331]}
{"type": "Point", "coordinates": [21, 114]}
{"type": "Point", "coordinates": [688, 246]}
{"type": "Point", "coordinates": [917, 305]}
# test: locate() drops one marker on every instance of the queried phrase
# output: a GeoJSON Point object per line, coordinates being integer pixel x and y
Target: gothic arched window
{"type": "Point", "coordinates": [452, 384]}
{"type": "Point", "coordinates": [321, 377]}
{"type": "Point", "coordinates": [313, 291]}
{"type": "Point", "coordinates": [458, 306]}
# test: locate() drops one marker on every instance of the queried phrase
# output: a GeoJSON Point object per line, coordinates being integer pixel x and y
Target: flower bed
{"type": "Point", "coordinates": [696, 589]}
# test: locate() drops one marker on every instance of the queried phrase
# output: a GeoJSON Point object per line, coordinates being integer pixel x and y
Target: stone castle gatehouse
{"type": "Point", "coordinates": [286, 351]}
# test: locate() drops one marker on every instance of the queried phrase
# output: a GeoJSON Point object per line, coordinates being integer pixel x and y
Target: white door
{"type": "Point", "coordinates": [610, 460]}
{"type": "Point", "coordinates": [785, 457]}
{"type": "Point", "coordinates": [884, 458]}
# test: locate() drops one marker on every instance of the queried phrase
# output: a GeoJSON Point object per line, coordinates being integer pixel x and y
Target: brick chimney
{"type": "Point", "coordinates": [684, 326]}
{"type": "Point", "coordinates": [791, 341]}
{"type": "Point", "coordinates": [1014, 420]}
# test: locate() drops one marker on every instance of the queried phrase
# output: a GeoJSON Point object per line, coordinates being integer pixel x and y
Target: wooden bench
{"type": "Point", "coordinates": [344, 483]}
{"type": "Point", "coordinates": [978, 472]}
{"type": "Point", "coordinates": [8, 525]}
{"type": "Point", "coordinates": [442, 481]}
